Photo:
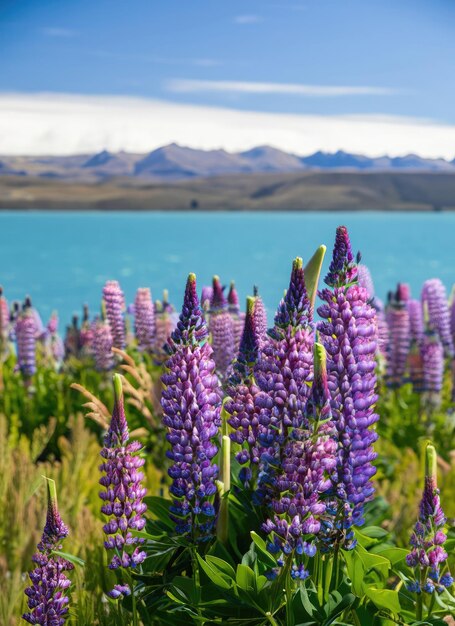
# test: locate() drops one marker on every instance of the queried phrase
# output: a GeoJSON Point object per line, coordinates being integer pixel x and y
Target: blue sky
{"type": "Point", "coordinates": [300, 57]}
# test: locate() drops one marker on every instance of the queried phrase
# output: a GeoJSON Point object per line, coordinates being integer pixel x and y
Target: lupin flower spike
{"type": "Point", "coordinates": [427, 556]}
{"type": "Point", "coordinates": [115, 305]}
{"type": "Point", "coordinates": [25, 331]}
{"type": "Point", "coordinates": [349, 334]}
{"type": "Point", "coordinates": [221, 326]}
{"type": "Point", "coordinates": [47, 599]}
{"type": "Point", "coordinates": [191, 402]}
{"type": "Point", "coordinates": [343, 268]}
{"type": "Point", "coordinates": [102, 346]}
{"type": "Point", "coordinates": [434, 296]}
{"type": "Point", "coordinates": [260, 315]}
{"type": "Point", "coordinates": [398, 322]}
{"type": "Point", "coordinates": [241, 392]}
{"type": "Point", "coordinates": [123, 493]}
{"type": "Point", "coordinates": [144, 319]}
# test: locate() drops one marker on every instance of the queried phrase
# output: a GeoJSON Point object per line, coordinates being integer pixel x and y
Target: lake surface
{"type": "Point", "coordinates": [63, 259]}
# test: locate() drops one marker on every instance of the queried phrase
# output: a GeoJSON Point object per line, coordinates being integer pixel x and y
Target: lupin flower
{"type": "Point", "coordinates": [86, 333]}
{"type": "Point", "coordinates": [398, 322]}
{"type": "Point", "coordinates": [433, 368]}
{"type": "Point", "coordinates": [238, 316]}
{"type": "Point", "coordinates": [308, 463]}
{"type": "Point", "coordinates": [47, 599]}
{"type": "Point", "coordinates": [102, 346]}
{"type": "Point", "coordinates": [4, 322]}
{"type": "Point", "coordinates": [241, 392]}
{"type": "Point", "coordinates": [114, 301]}
{"type": "Point", "coordinates": [427, 557]}
{"type": "Point", "coordinates": [434, 299]}
{"type": "Point", "coordinates": [123, 493]}
{"type": "Point", "coordinates": [260, 315]}
{"type": "Point", "coordinates": [415, 320]}
{"type": "Point", "coordinates": [283, 374]}
{"type": "Point", "coordinates": [349, 335]}
{"type": "Point", "coordinates": [221, 326]}
{"type": "Point", "coordinates": [25, 331]}
{"type": "Point", "coordinates": [365, 280]}
{"type": "Point", "coordinates": [165, 322]}
{"type": "Point", "coordinates": [144, 319]}
{"type": "Point", "coordinates": [191, 402]}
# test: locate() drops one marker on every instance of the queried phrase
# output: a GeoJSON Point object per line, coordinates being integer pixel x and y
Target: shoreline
{"type": "Point", "coordinates": [295, 192]}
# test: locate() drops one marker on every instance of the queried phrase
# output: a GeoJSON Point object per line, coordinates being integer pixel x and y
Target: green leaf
{"type": "Point", "coordinates": [393, 554]}
{"type": "Point", "coordinates": [221, 565]}
{"type": "Point", "coordinates": [213, 574]}
{"type": "Point", "coordinates": [345, 602]}
{"type": "Point", "coordinates": [245, 578]}
{"type": "Point", "coordinates": [261, 550]}
{"type": "Point", "coordinates": [159, 508]}
{"type": "Point", "coordinates": [359, 563]}
{"type": "Point", "coordinates": [75, 560]}
{"type": "Point", "coordinates": [384, 599]}
{"type": "Point", "coordinates": [312, 272]}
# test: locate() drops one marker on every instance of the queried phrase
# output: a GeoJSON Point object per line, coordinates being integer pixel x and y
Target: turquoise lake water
{"type": "Point", "coordinates": [63, 259]}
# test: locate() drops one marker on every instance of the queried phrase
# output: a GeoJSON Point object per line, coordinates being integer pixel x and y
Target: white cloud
{"type": "Point", "coordinates": [53, 31]}
{"type": "Point", "coordinates": [183, 85]}
{"type": "Point", "coordinates": [71, 124]}
{"type": "Point", "coordinates": [247, 19]}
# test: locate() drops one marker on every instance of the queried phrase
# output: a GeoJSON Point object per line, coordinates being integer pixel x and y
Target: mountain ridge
{"type": "Point", "coordinates": [174, 162]}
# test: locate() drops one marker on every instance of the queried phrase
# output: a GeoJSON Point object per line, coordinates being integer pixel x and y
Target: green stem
{"type": "Point", "coordinates": [271, 619]}
{"type": "Point", "coordinates": [355, 618]}
{"type": "Point", "coordinates": [328, 567]}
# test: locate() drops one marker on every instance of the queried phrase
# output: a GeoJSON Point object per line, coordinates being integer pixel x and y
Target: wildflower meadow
{"type": "Point", "coordinates": [206, 463]}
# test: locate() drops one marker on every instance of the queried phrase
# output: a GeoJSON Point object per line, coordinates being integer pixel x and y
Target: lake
{"type": "Point", "coordinates": [63, 259]}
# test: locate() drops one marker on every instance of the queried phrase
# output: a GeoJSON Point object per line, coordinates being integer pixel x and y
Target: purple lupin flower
{"type": "Point", "coordinates": [4, 322]}
{"type": "Point", "coordinates": [415, 361]}
{"type": "Point", "coordinates": [432, 353]}
{"type": "Point", "coordinates": [191, 402]}
{"type": "Point", "coordinates": [427, 557]}
{"type": "Point", "coordinates": [114, 301]}
{"type": "Point", "coordinates": [283, 374]}
{"type": "Point", "coordinates": [102, 345]}
{"type": "Point", "coordinates": [415, 320]}
{"type": "Point", "coordinates": [308, 463]}
{"type": "Point", "coordinates": [221, 326]}
{"type": "Point", "coordinates": [25, 331]}
{"type": "Point", "coordinates": [383, 329]}
{"type": "Point", "coordinates": [144, 319]}
{"type": "Point", "coordinates": [238, 316]}
{"type": "Point", "coordinates": [398, 322]}
{"type": "Point", "coordinates": [123, 492]}
{"type": "Point", "coordinates": [365, 280]}
{"type": "Point", "coordinates": [165, 322]}
{"type": "Point", "coordinates": [434, 299]}
{"type": "Point", "coordinates": [260, 315]}
{"type": "Point", "coordinates": [241, 392]}
{"type": "Point", "coordinates": [349, 335]}
{"type": "Point", "coordinates": [47, 599]}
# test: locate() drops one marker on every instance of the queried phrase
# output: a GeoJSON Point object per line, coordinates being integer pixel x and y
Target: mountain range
{"type": "Point", "coordinates": [174, 162]}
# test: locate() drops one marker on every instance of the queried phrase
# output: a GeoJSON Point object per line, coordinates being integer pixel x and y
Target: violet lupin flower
{"type": "Point", "coordinates": [427, 557]}
{"type": "Point", "coordinates": [432, 353]}
{"type": "Point", "coordinates": [4, 322]}
{"type": "Point", "coordinates": [241, 392]}
{"type": "Point", "coordinates": [349, 335]}
{"type": "Point", "coordinates": [191, 402]}
{"type": "Point", "coordinates": [283, 374]}
{"type": "Point", "coordinates": [221, 326]}
{"type": "Point", "coordinates": [144, 320]}
{"type": "Point", "coordinates": [25, 331]}
{"type": "Point", "coordinates": [102, 346]}
{"type": "Point", "coordinates": [309, 461]}
{"type": "Point", "coordinates": [260, 315]}
{"type": "Point", "coordinates": [365, 280]}
{"type": "Point", "coordinates": [123, 494]}
{"type": "Point", "coordinates": [47, 599]}
{"type": "Point", "coordinates": [238, 316]}
{"type": "Point", "coordinates": [434, 298]}
{"type": "Point", "coordinates": [415, 320]}
{"type": "Point", "coordinates": [114, 301]}
{"type": "Point", "coordinates": [398, 322]}
{"type": "Point", "coordinates": [165, 322]}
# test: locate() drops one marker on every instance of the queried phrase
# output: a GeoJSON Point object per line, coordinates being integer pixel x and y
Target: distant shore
{"type": "Point", "coordinates": [303, 191]}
